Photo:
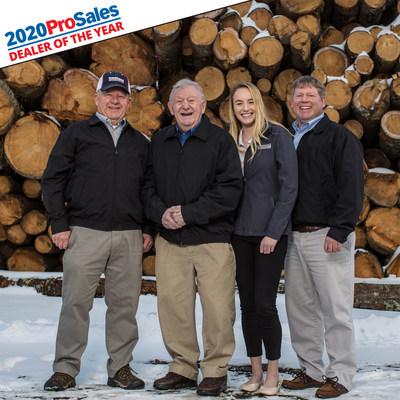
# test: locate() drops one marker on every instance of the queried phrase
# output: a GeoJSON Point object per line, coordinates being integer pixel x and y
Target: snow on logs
{"type": "Point", "coordinates": [352, 46]}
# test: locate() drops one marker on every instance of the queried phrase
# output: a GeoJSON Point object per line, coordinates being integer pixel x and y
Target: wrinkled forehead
{"type": "Point", "coordinates": [188, 91]}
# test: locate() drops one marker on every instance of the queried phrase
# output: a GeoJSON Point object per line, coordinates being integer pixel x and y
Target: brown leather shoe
{"type": "Point", "coordinates": [301, 381]}
{"type": "Point", "coordinates": [125, 379]}
{"type": "Point", "coordinates": [332, 388]}
{"type": "Point", "coordinates": [212, 386]}
{"type": "Point", "coordinates": [174, 381]}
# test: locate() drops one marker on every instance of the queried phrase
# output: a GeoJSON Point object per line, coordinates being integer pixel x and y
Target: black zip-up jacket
{"type": "Point", "coordinates": [331, 179]}
{"type": "Point", "coordinates": [203, 176]}
{"type": "Point", "coordinates": [101, 183]}
{"type": "Point", "coordinates": [270, 187]}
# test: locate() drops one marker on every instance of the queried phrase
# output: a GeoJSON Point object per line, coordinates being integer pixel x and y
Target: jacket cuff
{"type": "Point", "coordinates": [338, 234]}
{"type": "Point", "coordinates": [59, 226]}
{"type": "Point", "coordinates": [149, 228]}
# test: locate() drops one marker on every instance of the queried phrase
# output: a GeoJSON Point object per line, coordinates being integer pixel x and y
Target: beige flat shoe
{"type": "Point", "coordinates": [251, 387]}
{"type": "Point", "coordinates": [270, 391]}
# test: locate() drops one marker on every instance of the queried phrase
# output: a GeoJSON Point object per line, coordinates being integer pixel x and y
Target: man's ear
{"type": "Point", "coordinates": [170, 108]}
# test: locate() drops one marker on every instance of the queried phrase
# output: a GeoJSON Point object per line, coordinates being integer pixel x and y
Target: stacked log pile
{"type": "Point", "coordinates": [352, 46]}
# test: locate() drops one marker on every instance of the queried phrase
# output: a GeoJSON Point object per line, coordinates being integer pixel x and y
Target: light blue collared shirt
{"type": "Point", "coordinates": [299, 133]}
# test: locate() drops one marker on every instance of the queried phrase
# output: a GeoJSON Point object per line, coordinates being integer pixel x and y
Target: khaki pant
{"type": "Point", "coordinates": [117, 254]}
{"type": "Point", "coordinates": [319, 291]}
{"type": "Point", "coordinates": [179, 270]}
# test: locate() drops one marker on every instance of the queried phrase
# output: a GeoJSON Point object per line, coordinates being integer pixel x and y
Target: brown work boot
{"type": "Point", "coordinates": [59, 381]}
{"type": "Point", "coordinates": [125, 379]}
{"type": "Point", "coordinates": [212, 386]}
{"type": "Point", "coordinates": [174, 381]}
{"type": "Point", "coordinates": [331, 388]}
{"type": "Point", "coordinates": [301, 381]}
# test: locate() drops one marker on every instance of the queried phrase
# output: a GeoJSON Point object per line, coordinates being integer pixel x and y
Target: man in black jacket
{"type": "Point", "coordinates": [92, 192]}
{"type": "Point", "coordinates": [197, 185]}
{"type": "Point", "coordinates": [320, 258]}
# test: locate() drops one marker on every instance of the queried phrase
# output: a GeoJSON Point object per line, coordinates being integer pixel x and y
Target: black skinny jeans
{"type": "Point", "coordinates": [257, 277]}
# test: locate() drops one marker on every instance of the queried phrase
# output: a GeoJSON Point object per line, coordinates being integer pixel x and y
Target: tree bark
{"type": "Point", "coordinates": [202, 35]}
{"type": "Point", "coordinates": [371, 12]}
{"type": "Point", "coordinates": [344, 12]}
{"type": "Point", "coordinates": [167, 47]}
{"type": "Point", "coordinates": [9, 107]}
{"type": "Point", "coordinates": [300, 50]}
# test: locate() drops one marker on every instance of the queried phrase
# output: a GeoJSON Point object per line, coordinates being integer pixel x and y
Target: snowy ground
{"type": "Point", "coordinates": [28, 324]}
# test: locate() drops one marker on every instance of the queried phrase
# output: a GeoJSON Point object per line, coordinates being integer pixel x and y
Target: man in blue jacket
{"type": "Point", "coordinates": [197, 185]}
{"type": "Point", "coordinates": [319, 268]}
{"type": "Point", "coordinates": [92, 191]}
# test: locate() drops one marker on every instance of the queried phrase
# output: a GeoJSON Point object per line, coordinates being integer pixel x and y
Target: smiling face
{"type": "Point", "coordinates": [244, 107]}
{"type": "Point", "coordinates": [307, 104]}
{"type": "Point", "coordinates": [112, 103]}
{"type": "Point", "coordinates": [187, 107]}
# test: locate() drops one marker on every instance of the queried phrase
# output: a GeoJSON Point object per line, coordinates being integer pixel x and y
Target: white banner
{"type": "Point", "coordinates": [35, 28]}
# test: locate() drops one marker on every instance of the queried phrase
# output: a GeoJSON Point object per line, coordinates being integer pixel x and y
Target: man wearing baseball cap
{"type": "Point", "coordinates": [92, 190]}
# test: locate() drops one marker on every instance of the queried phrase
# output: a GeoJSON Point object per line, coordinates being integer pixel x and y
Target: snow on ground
{"type": "Point", "coordinates": [28, 326]}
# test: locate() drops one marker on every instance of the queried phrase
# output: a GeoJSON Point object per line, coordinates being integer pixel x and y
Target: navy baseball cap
{"type": "Point", "coordinates": [113, 79]}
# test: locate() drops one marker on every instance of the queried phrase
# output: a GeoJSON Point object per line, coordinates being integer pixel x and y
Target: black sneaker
{"type": "Point", "coordinates": [60, 381]}
{"type": "Point", "coordinates": [125, 379]}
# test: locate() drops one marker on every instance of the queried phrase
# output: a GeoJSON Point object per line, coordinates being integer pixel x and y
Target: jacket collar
{"type": "Point", "coordinates": [95, 120]}
{"type": "Point", "coordinates": [201, 132]}
{"type": "Point", "coordinates": [322, 124]}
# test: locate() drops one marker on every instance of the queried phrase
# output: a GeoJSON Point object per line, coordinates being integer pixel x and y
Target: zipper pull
{"type": "Point", "coordinates": [116, 151]}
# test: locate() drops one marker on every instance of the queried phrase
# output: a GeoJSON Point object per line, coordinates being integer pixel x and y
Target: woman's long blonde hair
{"type": "Point", "coordinates": [262, 121]}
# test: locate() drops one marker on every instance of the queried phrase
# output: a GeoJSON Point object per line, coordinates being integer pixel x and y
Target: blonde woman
{"type": "Point", "coordinates": [262, 223]}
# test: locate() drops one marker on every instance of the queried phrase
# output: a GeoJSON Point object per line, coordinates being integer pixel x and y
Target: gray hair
{"type": "Point", "coordinates": [182, 83]}
{"type": "Point", "coordinates": [307, 81]}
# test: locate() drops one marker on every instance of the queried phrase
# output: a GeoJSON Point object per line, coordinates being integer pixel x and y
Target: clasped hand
{"type": "Point", "coordinates": [172, 218]}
